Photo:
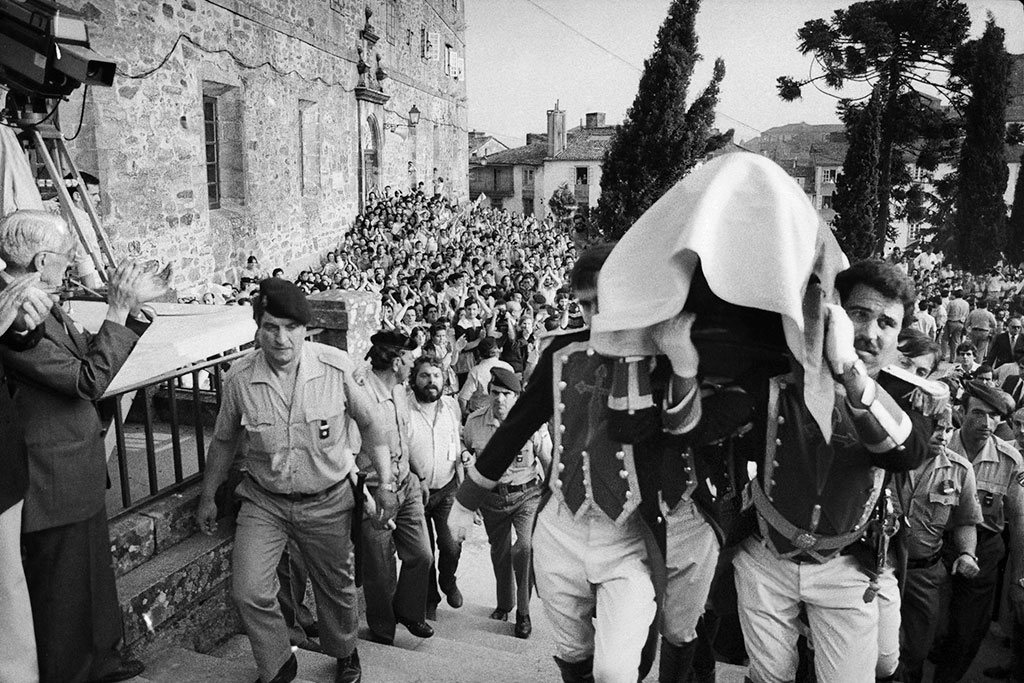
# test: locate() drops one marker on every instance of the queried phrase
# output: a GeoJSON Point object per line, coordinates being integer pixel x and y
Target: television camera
{"type": "Point", "coordinates": [44, 57]}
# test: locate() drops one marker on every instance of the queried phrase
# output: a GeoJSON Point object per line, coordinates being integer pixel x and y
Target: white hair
{"type": "Point", "coordinates": [25, 233]}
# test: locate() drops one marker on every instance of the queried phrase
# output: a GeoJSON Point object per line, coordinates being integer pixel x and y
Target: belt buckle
{"type": "Point", "coordinates": [804, 541]}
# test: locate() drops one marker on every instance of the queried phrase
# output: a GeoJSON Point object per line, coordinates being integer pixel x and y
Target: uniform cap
{"type": "Point", "coordinates": [283, 299]}
{"type": "Point", "coordinates": [506, 379]}
{"type": "Point", "coordinates": [997, 399]}
{"type": "Point", "coordinates": [393, 339]}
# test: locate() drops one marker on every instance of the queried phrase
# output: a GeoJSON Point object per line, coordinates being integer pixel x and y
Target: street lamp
{"type": "Point", "coordinates": [411, 122]}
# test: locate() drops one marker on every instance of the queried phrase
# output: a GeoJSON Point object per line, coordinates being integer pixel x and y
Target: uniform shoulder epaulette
{"type": "Point", "coordinates": [1008, 449]}
{"type": "Point", "coordinates": [334, 357]}
{"type": "Point", "coordinates": [928, 396]}
{"type": "Point", "coordinates": [242, 364]}
{"type": "Point", "coordinates": [561, 337]}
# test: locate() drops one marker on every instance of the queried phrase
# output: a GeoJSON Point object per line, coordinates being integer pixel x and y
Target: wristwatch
{"type": "Point", "coordinates": [1020, 582]}
{"type": "Point", "coordinates": [391, 486]}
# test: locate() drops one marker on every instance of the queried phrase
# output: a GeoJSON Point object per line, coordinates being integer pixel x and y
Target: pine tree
{"type": "Point", "coordinates": [984, 66]}
{"type": "Point", "coordinates": [899, 44]}
{"type": "Point", "coordinates": [856, 197]}
{"type": "Point", "coordinates": [661, 139]}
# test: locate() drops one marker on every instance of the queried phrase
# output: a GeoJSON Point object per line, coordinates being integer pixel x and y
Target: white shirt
{"type": "Point", "coordinates": [435, 440]}
{"type": "Point", "coordinates": [474, 391]}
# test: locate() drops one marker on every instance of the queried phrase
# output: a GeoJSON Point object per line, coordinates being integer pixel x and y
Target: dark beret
{"type": "Point", "coordinates": [997, 399]}
{"type": "Point", "coordinates": [500, 377]}
{"type": "Point", "coordinates": [393, 339]}
{"type": "Point", "coordinates": [284, 299]}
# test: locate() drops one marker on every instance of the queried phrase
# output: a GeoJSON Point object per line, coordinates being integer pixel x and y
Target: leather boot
{"type": "Point", "coordinates": [576, 672]}
{"type": "Point", "coordinates": [676, 661]}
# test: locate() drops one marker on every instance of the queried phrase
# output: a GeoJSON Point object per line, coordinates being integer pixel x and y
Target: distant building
{"type": "Point", "coordinates": [522, 179]}
{"type": "Point", "coordinates": [481, 144]}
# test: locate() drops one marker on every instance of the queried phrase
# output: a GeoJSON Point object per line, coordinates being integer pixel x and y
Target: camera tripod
{"type": "Point", "coordinates": [42, 137]}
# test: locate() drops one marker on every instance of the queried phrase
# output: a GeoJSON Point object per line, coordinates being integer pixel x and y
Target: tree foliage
{"type": "Point", "coordinates": [856, 197]}
{"type": "Point", "coordinates": [905, 46]}
{"type": "Point", "coordinates": [562, 202]}
{"type": "Point", "coordinates": [661, 138]}
{"type": "Point", "coordinates": [984, 66]}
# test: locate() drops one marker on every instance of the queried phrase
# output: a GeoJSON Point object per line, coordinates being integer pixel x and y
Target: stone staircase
{"type": "Point", "coordinates": [173, 585]}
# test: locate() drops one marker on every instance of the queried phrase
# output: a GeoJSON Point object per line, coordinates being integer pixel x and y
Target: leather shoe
{"type": "Point", "coordinates": [997, 672]}
{"type": "Point", "coordinates": [349, 670]}
{"type": "Point", "coordinates": [523, 626]}
{"type": "Point", "coordinates": [454, 597]}
{"type": "Point", "coordinates": [286, 673]}
{"type": "Point", "coordinates": [420, 629]}
{"type": "Point", "coordinates": [125, 669]}
{"type": "Point", "coordinates": [499, 614]}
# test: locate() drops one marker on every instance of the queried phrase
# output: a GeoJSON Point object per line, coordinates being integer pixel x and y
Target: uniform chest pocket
{"type": "Point", "coordinates": [325, 426]}
{"type": "Point", "coordinates": [265, 437]}
{"type": "Point", "coordinates": [940, 505]}
{"type": "Point", "coordinates": [991, 499]}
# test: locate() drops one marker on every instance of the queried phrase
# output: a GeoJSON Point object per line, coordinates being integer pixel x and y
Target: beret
{"type": "Point", "coordinates": [393, 339]}
{"type": "Point", "coordinates": [284, 299]}
{"type": "Point", "coordinates": [500, 377]}
{"type": "Point", "coordinates": [994, 398]}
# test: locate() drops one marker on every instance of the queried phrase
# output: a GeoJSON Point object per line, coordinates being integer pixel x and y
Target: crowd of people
{"type": "Point", "coordinates": [837, 447]}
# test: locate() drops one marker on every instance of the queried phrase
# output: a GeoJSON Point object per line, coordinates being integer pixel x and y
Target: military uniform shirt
{"type": "Point", "coordinates": [393, 410]}
{"type": "Point", "coordinates": [480, 427]}
{"type": "Point", "coordinates": [997, 468]}
{"type": "Point", "coordinates": [296, 448]}
{"type": "Point", "coordinates": [940, 494]}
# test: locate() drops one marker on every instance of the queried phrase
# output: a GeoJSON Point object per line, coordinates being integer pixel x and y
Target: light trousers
{"type": "Point", "coordinates": [691, 554]}
{"type": "Point", "coordinates": [18, 644]}
{"type": "Point", "coordinates": [594, 580]}
{"type": "Point", "coordinates": [770, 592]}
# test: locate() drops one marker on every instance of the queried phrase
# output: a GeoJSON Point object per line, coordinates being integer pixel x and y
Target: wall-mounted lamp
{"type": "Point", "coordinates": [411, 122]}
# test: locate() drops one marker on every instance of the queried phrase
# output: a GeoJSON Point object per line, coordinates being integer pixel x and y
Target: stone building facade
{"type": "Point", "coordinates": [259, 126]}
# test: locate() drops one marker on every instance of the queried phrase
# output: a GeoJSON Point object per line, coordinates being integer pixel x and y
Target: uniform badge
{"type": "Point", "coordinates": [947, 487]}
{"type": "Point", "coordinates": [1020, 478]}
{"type": "Point", "coordinates": [988, 499]}
{"type": "Point", "coordinates": [325, 429]}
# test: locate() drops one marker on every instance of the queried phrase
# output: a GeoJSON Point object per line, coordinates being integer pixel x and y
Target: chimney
{"type": "Point", "coordinates": [556, 130]}
{"type": "Point", "coordinates": [536, 137]}
{"type": "Point", "coordinates": [595, 119]}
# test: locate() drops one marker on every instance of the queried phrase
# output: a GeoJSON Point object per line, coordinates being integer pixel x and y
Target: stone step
{"type": "Point", "coordinates": [180, 596]}
{"type": "Point", "coordinates": [138, 536]}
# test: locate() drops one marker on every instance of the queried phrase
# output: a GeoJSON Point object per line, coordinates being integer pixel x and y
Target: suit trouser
{"type": "Point", "coordinates": [954, 335]}
{"type": "Point", "coordinates": [320, 526]}
{"type": "Point", "coordinates": [691, 555]}
{"type": "Point", "coordinates": [391, 594]}
{"type": "Point", "coordinates": [18, 644]}
{"type": "Point", "coordinates": [449, 550]}
{"type": "Point", "coordinates": [75, 610]}
{"type": "Point", "coordinates": [511, 561]}
{"type": "Point", "coordinates": [970, 611]}
{"type": "Point", "coordinates": [590, 564]}
{"type": "Point", "coordinates": [920, 616]}
{"type": "Point", "coordinates": [770, 592]}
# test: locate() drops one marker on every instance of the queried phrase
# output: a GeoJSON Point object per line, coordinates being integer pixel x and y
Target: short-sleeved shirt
{"type": "Point", "coordinates": [980, 319]}
{"type": "Point", "coordinates": [435, 440]}
{"type": "Point", "coordinates": [480, 427]}
{"type": "Point", "coordinates": [392, 405]}
{"type": "Point", "coordinates": [474, 391]}
{"type": "Point", "coordinates": [997, 468]}
{"type": "Point", "coordinates": [938, 495]}
{"type": "Point", "coordinates": [301, 447]}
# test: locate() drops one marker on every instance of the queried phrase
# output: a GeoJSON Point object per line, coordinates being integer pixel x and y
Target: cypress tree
{"type": "Point", "coordinates": [661, 139]}
{"type": "Point", "coordinates": [856, 197]}
{"type": "Point", "coordinates": [980, 210]}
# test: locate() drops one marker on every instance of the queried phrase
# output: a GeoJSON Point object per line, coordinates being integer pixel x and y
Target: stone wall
{"type": "Point", "coordinates": [266, 61]}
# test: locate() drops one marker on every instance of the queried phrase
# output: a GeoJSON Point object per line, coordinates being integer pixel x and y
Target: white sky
{"type": "Point", "coordinates": [521, 59]}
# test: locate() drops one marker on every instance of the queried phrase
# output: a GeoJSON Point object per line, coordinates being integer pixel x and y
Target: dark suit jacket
{"type": "Point", "coordinates": [1000, 350]}
{"type": "Point", "coordinates": [56, 385]}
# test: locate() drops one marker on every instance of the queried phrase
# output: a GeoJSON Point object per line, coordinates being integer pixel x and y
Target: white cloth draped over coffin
{"type": "Point", "coordinates": [760, 244]}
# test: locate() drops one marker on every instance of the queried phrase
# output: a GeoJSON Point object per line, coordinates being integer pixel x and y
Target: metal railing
{"type": "Point", "coordinates": [169, 387]}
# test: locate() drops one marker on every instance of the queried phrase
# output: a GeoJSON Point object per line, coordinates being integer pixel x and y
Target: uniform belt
{"type": "Point", "coordinates": [925, 562]}
{"type": "Point", "coordinates": [800, 538]}
{"type": "Point", "coordinates": [514, 488]}
{"type": "Point", "coordinates": [298, 497]}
